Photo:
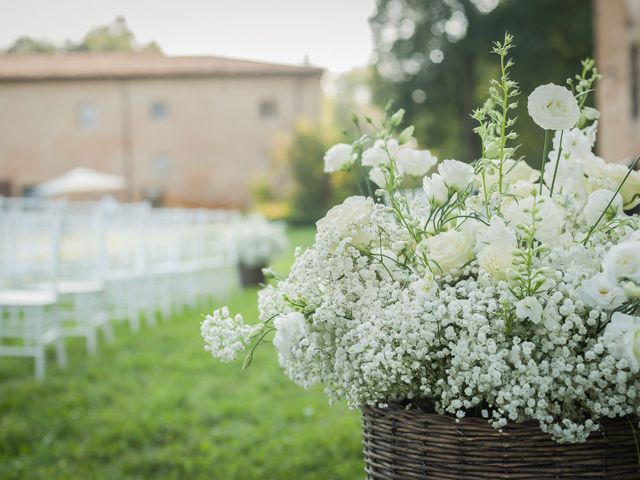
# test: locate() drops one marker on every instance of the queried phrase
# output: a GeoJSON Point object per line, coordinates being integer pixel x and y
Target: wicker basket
{"type": "Point", "coordinates": [411, 444]}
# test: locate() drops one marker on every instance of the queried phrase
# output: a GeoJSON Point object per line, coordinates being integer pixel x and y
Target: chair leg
{"type": "Point", "coordinates": [40, 361]}
{"type": "Point", "coordinates": [134, 320]}
{"type": "Point", "coordinates": [92, 344]}
{"type": "Point", "coordinates": [107, 328]}
{"type": "Point", "coordinates": [150, 316]}
{"type": "Point", "coordinates": [61, 352]}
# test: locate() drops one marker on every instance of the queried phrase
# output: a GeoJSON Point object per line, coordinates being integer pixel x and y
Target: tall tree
{"type": "Point", "coordinates": [433, 60]}
{"type": "Point", "coordinates": [115, 36]}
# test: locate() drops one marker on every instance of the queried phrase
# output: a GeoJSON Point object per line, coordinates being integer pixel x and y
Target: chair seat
{"type": "Point", "coordinates": [71, 288]}
{"type": "Point", "coordinates": [27, 298]}
{"type": "Point", "coordinates": [123, 275]}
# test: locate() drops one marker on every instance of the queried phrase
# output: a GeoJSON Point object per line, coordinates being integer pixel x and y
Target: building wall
{"type": "Point", "coordinates": [617, 42]}
{"type": "Point", "coordinates": [212, 143]}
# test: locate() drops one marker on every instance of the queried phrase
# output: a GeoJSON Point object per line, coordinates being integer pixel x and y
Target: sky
{"type": "Point", "coordinates": [334, 33]}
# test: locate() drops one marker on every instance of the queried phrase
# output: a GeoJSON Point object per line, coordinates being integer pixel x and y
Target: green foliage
{"type": "Point", "coordinates": [412, 36]}
{"type": "Point", "coordinates": [113, 37]}
{"type": "Point", "coordinates": [156, 405]}
{"type": "Point", "coordinates": [313, 191]}
{"type": "Point", "coordinates": [31, 45]}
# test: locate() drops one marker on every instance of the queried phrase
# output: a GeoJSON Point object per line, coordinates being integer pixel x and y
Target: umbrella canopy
{"type": "Point", "coordinates": [81, 180]}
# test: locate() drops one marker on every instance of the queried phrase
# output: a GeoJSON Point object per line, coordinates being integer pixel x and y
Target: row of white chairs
{"type": "Point", "coordinates": [71, 269]}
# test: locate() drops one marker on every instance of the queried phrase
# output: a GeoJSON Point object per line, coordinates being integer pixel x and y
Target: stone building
{"type": "Point", "coordinates": [192, 130]}
{"type": "Point", "coordinates": [617, 54]}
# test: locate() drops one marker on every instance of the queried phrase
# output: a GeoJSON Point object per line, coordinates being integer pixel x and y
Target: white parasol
{"type": "Point", "coordinates": [81, 180]}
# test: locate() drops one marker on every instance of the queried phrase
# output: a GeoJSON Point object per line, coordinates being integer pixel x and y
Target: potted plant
{"type": "Point", "coordinates": [487, 326]}
{"type": "Point", "coordinates": [258, 241]}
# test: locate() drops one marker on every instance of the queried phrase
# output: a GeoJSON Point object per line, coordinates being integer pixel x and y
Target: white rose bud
{"type": "Point", "coordinates": [435, 189]}
{"type": "Point", "coordinates": [377, 176]}
{"type": "Point", "coordinates": [338, 157]}
{"type": "Point", "coordinates": [415, 163]}
{"type": "Point", "coordinates": [553, 107]}
{"type": "Point", "coordinates": [456, 175]}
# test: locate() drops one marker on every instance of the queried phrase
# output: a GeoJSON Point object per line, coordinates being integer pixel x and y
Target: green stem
{"type": "Point", "coordinates": [555, 171]}
{"type": "Point", "coordinates": [505, 106]}
{"type": "Point", "coordinates": [544, 157]}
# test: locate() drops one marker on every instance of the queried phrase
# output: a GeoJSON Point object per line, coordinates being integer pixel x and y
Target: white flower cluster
{"type": "Point", "coordinates": [225, 335]}
{"type": "Point", "coordinates": [505, 291]}
{"type": "Point", "coordinates": [258, 240]}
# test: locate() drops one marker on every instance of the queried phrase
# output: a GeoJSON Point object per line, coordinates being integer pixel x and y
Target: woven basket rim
{"type": "Point", "coordinates": [412, 409]}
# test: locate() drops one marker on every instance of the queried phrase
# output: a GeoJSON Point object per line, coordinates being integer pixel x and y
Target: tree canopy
{"type": "Point", "coordinates": [433, 60]}
{"type": "Point", "coordinates": [115, 36]}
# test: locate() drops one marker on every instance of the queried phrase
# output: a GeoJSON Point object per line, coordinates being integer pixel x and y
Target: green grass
{"type": "Point", "coordinates": [155, 405]}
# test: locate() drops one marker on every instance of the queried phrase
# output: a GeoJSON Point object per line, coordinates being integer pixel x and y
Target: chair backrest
{"type": "Point", "coordinates": [82, 244]}
{"type": "Point", "coordinates": [124, 226]}
{"type": "Point", "coordinates": [30, 243]}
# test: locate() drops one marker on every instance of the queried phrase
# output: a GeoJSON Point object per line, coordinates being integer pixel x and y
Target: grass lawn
{"type": "Point", "coordinates": [155, 405]}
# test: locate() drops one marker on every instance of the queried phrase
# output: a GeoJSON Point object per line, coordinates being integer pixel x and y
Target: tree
{"type": "Point", "coordinates": [433, 60]}
{"type": "Point", "coordinates": [115, 36]}
{"type": "Point", "coordinates": [31, 45]}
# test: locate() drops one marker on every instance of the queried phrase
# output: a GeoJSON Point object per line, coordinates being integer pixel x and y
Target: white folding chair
{"type": "Point", "coordinates": [29, 254]}
{"type": "Point", "coordinates": [83, 309]}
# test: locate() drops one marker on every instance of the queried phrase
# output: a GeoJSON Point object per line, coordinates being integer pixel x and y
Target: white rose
{"type": "Point", "coordinates": [598, 201]}
{"type": "Point", "coordinates": [377, 176]}
{"type": "Point", "coordinates": [622, 263]}
{"type": "Point", "coordinates": [435, 189]}
{"type": "Point", "coordinates": [456, 175]}
{"type": "Point", "coordinates": [378, 155]}
{"type": "Point", "coordinates": [599, 292]}
{"type": "Point", "coordinates": [630, 190]}
{"type": "Point", "coordinates": [338, 157]}
{"type": "Point", "coordinates": [529, 308]}
{"type": "Point", "coordinates": [290, 329]}
{"type": "Point", "coordinates": [553, 107]}
{"type": "Point", "coordinates": [496, 258]}
{"type": "Point", "coordinates": [414, 162]}
{"type": "Point", "coordinates": [622, 338]}
{"type": "Point", "coordinates": [449, 250]}
{"type": "Point", "coordinates": [351, 218]}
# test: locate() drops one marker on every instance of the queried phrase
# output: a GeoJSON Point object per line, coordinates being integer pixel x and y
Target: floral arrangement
{"type": "Point", "coordinates": [499, 290]}
{"type": "Point", "coordinates": [258, 240]}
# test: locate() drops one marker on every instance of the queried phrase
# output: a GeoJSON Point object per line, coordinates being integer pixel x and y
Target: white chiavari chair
{"type": "Point", "coordinates": [29, 255]}
{"type": "Point", "coordinates": [83, 308]}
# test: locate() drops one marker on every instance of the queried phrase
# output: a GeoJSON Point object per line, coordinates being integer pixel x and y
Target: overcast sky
{"type": "Point", "coordinates": [334, 33]}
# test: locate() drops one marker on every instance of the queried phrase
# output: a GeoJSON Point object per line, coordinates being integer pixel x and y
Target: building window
{"type": "Point", "coordinates": [159, 110]}
{"type": "Point", "coordinates": [268, 109]}
{"type": "Point", "coordinates": [87, 115]}
{"type": "Point", "coordinates": [635, 80]}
